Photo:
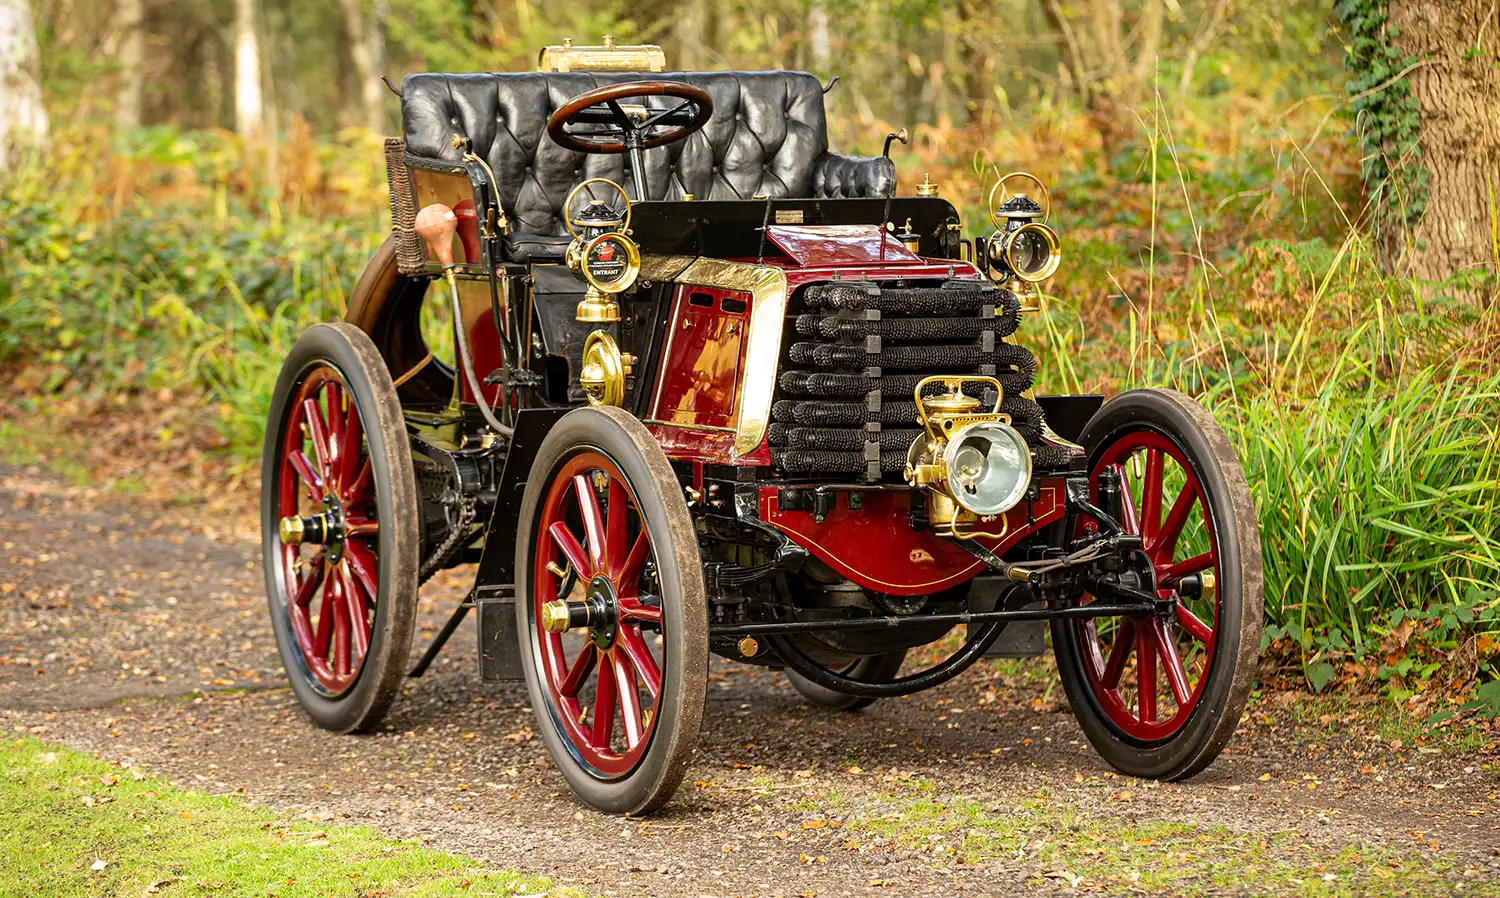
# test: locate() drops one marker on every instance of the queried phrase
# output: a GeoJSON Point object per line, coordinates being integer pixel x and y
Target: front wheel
{"type": "Point", "coordinates": [1160, 696]}
{"type": "Point", "coordinates": [611, 611]}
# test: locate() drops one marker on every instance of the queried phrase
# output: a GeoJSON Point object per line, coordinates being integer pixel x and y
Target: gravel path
{"type": "Point", "coordinates": [129, 629]}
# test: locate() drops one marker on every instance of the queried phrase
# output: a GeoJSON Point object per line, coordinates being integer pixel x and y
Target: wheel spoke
{"type": "Point", "coordinates": [568, 543]}
{"type": "Point", "coordinates": [364, 566]}
{"type": "Point", "coordinates": [1193, 626]}
{"type": "Point", "coordinates": [363, 527]}
{"type": "Point", "coordinates": [312, 416]}
{"type": "Point", "coordinates": [359, 625]}
{"type": "Point", "coordinates": [629, 574]}
{"type": "Point", "coordinates": [310, 479]}
{"type": "Point", "coordinates": [361, 484]}
{"type": "Point", "coordinates": [1171, 662]}
{"type": "Point", "coordinates": [309, 586]}
{"type": "Point", "coordinates": [634, 645]}
{"type": "Point", "coordinates": [1170, 575]}
{"type": "Point", "coordinates": [1145, 674]}
{"type": "Point", "coordinates": [631, 608]}
{"type": "Point", "coordinates": [1151, 495]}
{"type": "Point", "coordinates": [593, 521]}
{"type": "Point", "coordinates": [1132, 521]}
{"type": "Point", "coordinates": [605, 700]}
{"type": "Point", "coordinates": [583, 665]}
{"type": "Point", "coordinates": [337, 610]}
{"type": "Point", "coordinates": [349, 454]}
{"type": "Point", "coordinates": [617, 513]}
{"type": "Point", "coordinates": [630, 700]}
{"type": "Point", "coordinates": [333, 398]}
{"type": "Point", "coordinates": [1166, 539]}
{"type": "Point", "coordinates": [323, 634]}
{"type": "Point", "coordinates": [1119, 653]}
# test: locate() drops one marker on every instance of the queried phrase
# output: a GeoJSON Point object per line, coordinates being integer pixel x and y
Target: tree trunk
{"type": "Point", "coordinates": [1458, 103]}
{"type": "Point", "coordinates": [690, 30]}
{"type": "Point", "coordinates": [366, 71]}
{"type": "Point", "coordinates": [23, 119]}
{"type": "Point", "coordinates": [819, 44]}
{"type": "Point", "coordinates": [249, 109]}
{"type": "Point", "coordinates": [130, 54]}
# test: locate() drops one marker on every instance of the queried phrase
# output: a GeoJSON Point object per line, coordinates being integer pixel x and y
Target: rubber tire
{"type": "Point", "coordinates": [349, 350]}
{"type": "Point", "coordinates": [874, 668]}
{"type": "Point", "coordinates": [674, 738]}
{"type": "Point", "coordinates": [1241, 587]}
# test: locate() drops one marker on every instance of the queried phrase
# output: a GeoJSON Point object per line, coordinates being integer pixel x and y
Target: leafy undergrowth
{"type": "Point", "coordinates": [80, 826]}
{"type": "Point", "coordinates": [1100, 853]}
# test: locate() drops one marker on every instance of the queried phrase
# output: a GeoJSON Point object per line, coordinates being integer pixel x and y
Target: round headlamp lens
{"type": "Point", "coordinates": [989, 468]}
{"type": "Point", "coordinates": [1031, 252]}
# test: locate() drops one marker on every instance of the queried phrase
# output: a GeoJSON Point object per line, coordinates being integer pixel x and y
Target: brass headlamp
{"type": "Point", "coordinates": [972, 465]}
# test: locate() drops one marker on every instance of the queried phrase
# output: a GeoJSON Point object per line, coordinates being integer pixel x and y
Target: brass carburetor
{"type": "Point", "coordinates": [971, 465]}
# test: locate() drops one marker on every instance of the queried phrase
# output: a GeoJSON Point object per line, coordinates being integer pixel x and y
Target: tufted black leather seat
{"type": "Point", "coordinates": [767, 136]}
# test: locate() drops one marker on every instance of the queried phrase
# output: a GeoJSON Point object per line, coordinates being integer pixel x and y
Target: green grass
{"type": "Point", "coordinates": [79, 826]}
{"type": "Point", "coordinates": [1154, 857]}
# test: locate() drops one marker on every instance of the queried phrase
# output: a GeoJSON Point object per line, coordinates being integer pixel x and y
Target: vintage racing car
{"type": "Point", "coordinates": [712, 388]}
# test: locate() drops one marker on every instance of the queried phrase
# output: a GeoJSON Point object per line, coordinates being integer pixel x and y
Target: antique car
{"type": "Point", "coordinates": [713, 388]}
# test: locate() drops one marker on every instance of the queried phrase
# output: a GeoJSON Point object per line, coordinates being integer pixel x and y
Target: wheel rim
{"type": "Point", "coordinates": [331, 586]}
{"type": "Point", "coordinates": [1148, 674]}
{"type": "Point", "coordinates": [602, 683]}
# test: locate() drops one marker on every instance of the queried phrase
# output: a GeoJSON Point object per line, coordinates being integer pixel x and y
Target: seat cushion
{"type": "Point", "coordinates": [767, 136]}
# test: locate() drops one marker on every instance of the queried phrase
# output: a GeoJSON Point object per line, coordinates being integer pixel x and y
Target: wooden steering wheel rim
{"type": "Point", "coordinates": [556, 124]}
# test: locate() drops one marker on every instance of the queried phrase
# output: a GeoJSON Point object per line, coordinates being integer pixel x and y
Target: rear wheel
{"type": "Point", "coordinates": [605, 539]}
{"type": "Point", "coordinates": [1160, 696]}
{"type": "Point", "coordinates": [339, 528]}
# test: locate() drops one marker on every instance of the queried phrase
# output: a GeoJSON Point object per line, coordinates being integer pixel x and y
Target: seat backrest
{"type": "Point", "coordinates": [766, 135]}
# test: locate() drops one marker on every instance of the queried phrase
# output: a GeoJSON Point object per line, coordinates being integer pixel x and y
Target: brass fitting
{"type": "Point", "coordinates": [290, 530]}
{"type": "Point", "coordinates": [604, 369]}
{"type": "Point", "coordinates": [554, 616]}
{"type": "Point", "coordinates": [748, 646]}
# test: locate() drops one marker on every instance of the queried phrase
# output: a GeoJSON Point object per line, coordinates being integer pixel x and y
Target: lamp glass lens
{"type": "Point", "coordinates": [989, 468]}
{"type": "Point", "coordinates": [1029, 252]}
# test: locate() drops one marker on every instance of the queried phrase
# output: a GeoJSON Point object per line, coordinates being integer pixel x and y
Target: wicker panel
{"type": "Point", "coordinates": [409, 258]}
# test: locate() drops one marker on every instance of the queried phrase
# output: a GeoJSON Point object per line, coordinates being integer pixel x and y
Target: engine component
{"type": "Point", "coordinates": [844, 403]}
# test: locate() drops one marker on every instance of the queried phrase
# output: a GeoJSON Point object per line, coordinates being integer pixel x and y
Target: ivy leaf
{"type": "Point", "coordinates": [1319, 675]}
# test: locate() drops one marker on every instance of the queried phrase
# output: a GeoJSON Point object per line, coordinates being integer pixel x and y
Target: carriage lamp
{"type": "Point", "coordinates": [971, 464]}
{"type": "Point", "coordinates": [1024, 250]}
{"type": "Point", "coordinates": [602, 252]}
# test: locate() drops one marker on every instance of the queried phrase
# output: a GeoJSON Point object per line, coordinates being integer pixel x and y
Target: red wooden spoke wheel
{"type": "Point", "coordinates": [611, 611]}
{"type": "Point", "coordinates": [1159, 695]}
{"type": "Point", "coordinates": [607, 680]}
{"type": "Point", "coordinates": [338, 528]}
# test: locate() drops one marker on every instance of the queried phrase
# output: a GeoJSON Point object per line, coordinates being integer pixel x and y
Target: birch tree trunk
{"type": "Point", "coordinates": [366, 68]}
{"type": "Point", "coordinates": [131, 55]}
{"type": "Point", "coordinates": [249, 109]}
{"type": "Point", "coordinates": [1458, 102]}
{"type": "Point", "coordinates": [23, 119]}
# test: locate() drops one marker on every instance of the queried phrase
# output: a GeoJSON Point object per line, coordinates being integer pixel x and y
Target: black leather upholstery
{"type": "Point", "coordinates": [767, 136]}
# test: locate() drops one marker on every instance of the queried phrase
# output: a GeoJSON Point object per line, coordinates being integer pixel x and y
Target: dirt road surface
{"type": "Point", "coordinates": [138, 631]}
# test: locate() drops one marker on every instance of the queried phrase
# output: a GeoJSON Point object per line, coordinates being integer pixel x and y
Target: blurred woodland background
{"type": "Point", "coordinates": [1284, 207]}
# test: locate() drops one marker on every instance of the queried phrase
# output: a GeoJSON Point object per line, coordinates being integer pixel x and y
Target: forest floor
{"type": "Point", "coordinates": [134, 628]}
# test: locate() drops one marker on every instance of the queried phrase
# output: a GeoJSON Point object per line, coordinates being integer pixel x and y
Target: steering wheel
{"type": "Point", "coordinates": [624, 128]}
